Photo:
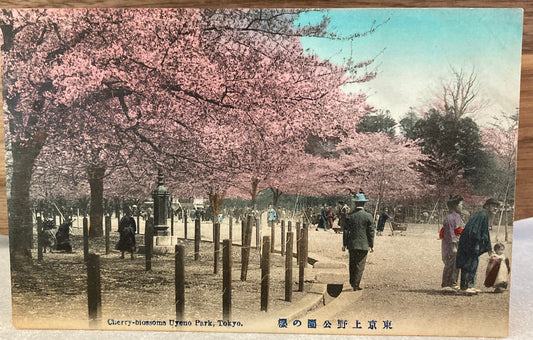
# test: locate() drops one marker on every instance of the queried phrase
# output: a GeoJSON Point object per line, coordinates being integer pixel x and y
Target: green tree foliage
{"type": "Point", "coordinates": [455, 149]}
{"type": "Point", "coordinates": [407, 123]}
{"type": "Point", "coordinates": [378, 122]}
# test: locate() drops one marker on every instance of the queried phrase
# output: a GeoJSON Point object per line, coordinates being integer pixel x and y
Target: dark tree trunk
{"type": "Point", "coordinates": [254, 192]}
{"type": "Point", "coordinates": [96, 213]}
{"type": "Point", "coordinates": [216, 201]}
{"type": "Point", "coordinates": [20, 217]}
{"type": "Point", "coordinates": [276, 193]}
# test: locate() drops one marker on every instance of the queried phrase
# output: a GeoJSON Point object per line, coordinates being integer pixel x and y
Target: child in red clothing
{"type": "Point", "coordinates": [498, 269]}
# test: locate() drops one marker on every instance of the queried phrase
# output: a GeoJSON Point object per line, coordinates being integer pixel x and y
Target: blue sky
{"type": "Point", "coordinates": [416, 49]}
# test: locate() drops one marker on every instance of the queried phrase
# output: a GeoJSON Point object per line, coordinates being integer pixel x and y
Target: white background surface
{"type": "Point", "coordinates": [521, 314]}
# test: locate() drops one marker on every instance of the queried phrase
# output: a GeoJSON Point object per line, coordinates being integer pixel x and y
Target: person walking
{"type": "Point", "coordinates": [474, 241]}
{"type": "Point", "coordinates": [342, 211]}
{"type": "Point", "coordinates": [126, 242]}
{"type": "Point", "coordinates": [330, 217]}
{"type": "Point", "coordinates": [383, 217]}
{"type": "Point", "coordinates": [450, 238]}
{"type": "Point", "coordinates": [358, 238]}
{"type": "Point", "coordinates": [322, 219]}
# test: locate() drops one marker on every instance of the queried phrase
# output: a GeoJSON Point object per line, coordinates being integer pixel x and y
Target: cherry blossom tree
{"type": "Point", "coordinates": [276, 95]}
{"type": "Point", "coordinates": [146, 81]}
{"type": "Point", "coordinates": [32, 44]}
{"type": "Point", "coordinates": [67, 65]}
{"type": "Point", "coordinates": [384, 167]}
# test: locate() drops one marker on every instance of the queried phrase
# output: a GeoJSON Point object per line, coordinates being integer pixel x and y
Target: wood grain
{"type": "Point", "coordinates": [524, 190]}
{"type": "Point", "coordinates": [524, 176]}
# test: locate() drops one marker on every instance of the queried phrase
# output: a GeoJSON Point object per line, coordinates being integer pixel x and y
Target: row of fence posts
{"type": "Point", "coordinates": [92, 261]}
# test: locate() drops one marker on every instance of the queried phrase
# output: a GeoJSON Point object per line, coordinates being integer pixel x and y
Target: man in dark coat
{"type": "Point", "coordinates": [474, 241]}
{"type": "Point", "coordinates": [358, 237]}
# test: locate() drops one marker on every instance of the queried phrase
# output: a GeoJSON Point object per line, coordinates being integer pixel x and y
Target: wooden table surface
{"type": "Point", "coordinates": [524, 178]}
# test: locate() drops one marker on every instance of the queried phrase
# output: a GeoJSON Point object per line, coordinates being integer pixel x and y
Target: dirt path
{"type": "Point", "coordinates": [402, 285]}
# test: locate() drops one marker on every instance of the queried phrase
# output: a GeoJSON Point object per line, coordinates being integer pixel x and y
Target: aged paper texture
{"type": "Point", "coordinates": [299, 171]}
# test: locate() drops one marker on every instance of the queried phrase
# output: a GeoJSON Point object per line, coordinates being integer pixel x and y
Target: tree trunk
{"type": "Point", "coordinates": [96, 213]}
{"type": "Point", "coordinates": [376, 209]}
{"type": "Point", "coordinates": [216, 201]}
{"type": "Point", "coordinates": [276, 193]}
{"type": "Point", "coordinates": [253, 192]}
{"type": "Point", "coordinates": [20, 217]}
{"type": "Point", "coordinates": [504, 209]}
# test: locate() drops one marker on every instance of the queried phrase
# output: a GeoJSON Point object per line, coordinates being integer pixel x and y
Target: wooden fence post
{"type": "Point", "coordinates": [301, 263]}
{"type": "Point", "coordinates": [148, 243]}
{"type": "Point", "coordinates": [243, 231]}
{"type": "Point", "coordinates": [306, 243]}
{"type": "Point", "coordinates": [257, 234]}
{"type": "Point", "coordinates": [226, 279]}
{"type": "Point", "coordinates": [107, 234]}
{"type": "Point", "coordinates": [272, 237]}
{"type": "Point", "coordinates": [185, 224]}
{"type": "Point", "coordinates": [231, 227]}
{"type": "Point", "coordinates": [39, 238]}
{"type": "Point", "coordinates": [216, 243]}
{"type": "Point", "coordinates": [282, 238]}
{"type": "Point", "coordinates": [171, 222]}
{"type": "Point", "coordinates": [94, 291]}
{"type": "Point", "coordinates": [85, 239]}
{"type": "Point", "coordinates": [243, 228]}
{"type": "Point", "coordinates": [179, 281]}
{"type": "Point", "coordinates": [197, 238]}
{"type": "Point", "coordinates": [298, 239]}
{"type": "Point", "coordinates": [265, 273]}
{"type": "Point", "coordinates": [288, 268]}
{"type": "Point", "coordinates": [246, 248]}
{"type": "Point", "coordinates": [289, 230]}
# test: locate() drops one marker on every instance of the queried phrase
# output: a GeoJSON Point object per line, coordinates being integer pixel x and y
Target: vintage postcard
{"type": "Point", "coordinates": [313, 171]}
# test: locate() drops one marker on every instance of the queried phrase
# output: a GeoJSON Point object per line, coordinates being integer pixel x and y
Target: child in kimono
{"type": "Point", "coordinates": [498, 269]}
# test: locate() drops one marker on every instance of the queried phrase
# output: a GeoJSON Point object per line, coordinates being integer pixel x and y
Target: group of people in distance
{"type": "Point", "coordinates": [462, 247]}
{"type": "Point", "coordinates": [326, 218]}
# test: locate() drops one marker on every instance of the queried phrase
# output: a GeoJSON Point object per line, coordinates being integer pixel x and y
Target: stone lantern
{"type": "Point", "coordinates": [160, 195]}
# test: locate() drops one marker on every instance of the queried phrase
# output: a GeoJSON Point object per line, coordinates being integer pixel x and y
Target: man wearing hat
{"type": "Point", "coordinates": [358, 237]}
{"type": "Point", "coordinates": [474, 241]}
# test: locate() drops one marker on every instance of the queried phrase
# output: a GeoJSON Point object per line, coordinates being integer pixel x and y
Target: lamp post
{"type": "Point", "coordinates": [160, 195]}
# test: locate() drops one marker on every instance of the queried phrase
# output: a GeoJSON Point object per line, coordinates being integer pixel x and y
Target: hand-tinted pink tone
{"type": "Point", "coordinates": [223, 101]}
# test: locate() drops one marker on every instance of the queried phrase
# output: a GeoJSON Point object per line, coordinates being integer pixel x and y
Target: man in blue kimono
{"type": "Point", "coordinates": [474, 241]}
{"type": "Point", "coordinates": [358, 237]}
